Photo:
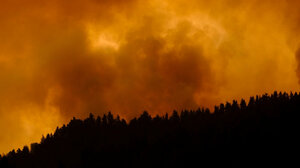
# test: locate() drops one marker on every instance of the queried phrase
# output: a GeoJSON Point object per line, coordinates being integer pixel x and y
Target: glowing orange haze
{"type": "Point", "coordinates": [60, 59]}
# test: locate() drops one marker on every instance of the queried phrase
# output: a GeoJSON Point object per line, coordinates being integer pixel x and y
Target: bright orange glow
{"type": "Point", "coordinates": [60, 59]}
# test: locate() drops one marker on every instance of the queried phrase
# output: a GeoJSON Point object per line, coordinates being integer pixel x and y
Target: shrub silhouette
{"type": "Point", "coordinates": [234, 135]}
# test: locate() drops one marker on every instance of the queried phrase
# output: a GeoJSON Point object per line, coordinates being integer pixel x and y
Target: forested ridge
{"type": "Point", "coordinates": [236, 134]}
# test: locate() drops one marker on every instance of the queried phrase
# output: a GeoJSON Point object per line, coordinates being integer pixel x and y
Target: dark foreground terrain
{"type": "Point", "coordinates": [234, 135]}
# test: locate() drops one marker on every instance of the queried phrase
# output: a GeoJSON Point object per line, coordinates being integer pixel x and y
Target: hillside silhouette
{"type": "Point", "coordinates": [237, 134]}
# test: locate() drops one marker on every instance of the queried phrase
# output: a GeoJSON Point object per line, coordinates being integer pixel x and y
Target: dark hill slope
{"type": "Point", "coordinates": [235, 135]}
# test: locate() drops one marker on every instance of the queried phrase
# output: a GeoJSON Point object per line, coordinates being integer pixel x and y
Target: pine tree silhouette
{"type": "Point", "coordinates": [233, 135]}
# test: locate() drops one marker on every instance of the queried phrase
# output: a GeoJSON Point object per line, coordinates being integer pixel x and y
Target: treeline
{"type": "Point", "coordinates": [233, 135]}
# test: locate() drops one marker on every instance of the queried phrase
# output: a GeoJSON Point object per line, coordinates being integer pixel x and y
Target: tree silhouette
{"type": "Point", "coordinates": [233, 135]}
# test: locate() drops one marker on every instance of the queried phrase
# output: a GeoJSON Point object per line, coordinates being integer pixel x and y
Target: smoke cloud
{"type": "Point", "coordinates": [60, 59]}
{"type": "Point", "coordinates": [298, 64]}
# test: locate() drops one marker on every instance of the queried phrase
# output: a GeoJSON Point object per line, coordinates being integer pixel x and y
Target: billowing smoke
{"type": "Point", "coordinates": [60, 59]}
{"type": "Point", "coordinates": [298, 64]}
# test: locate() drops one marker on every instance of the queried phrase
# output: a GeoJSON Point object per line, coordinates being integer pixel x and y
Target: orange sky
{"type": "Point", "coordinates": [60, 59]}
